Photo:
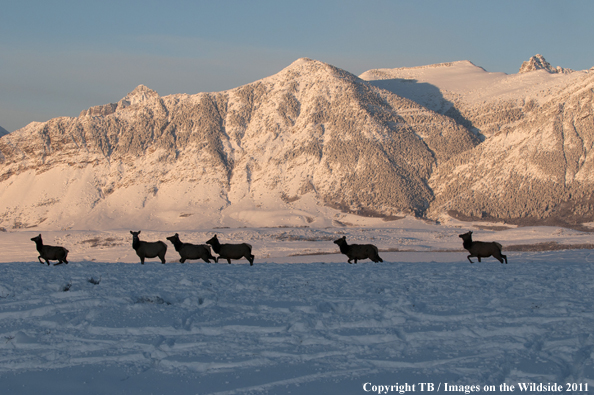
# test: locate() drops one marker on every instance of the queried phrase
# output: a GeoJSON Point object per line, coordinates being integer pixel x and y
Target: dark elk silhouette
{"type": "Point", "coordinates": [481, 249]}
{"type": "Point", "coordinates": [145, 249]}
{"type": "Point", "coordinates": [191, 251]}
{"type": "Point", "coordinates": [232, 251]}
{"type": "Point", "coordinates": [50, 253]}
{"type": "Point", "coordinates": [358, 251]}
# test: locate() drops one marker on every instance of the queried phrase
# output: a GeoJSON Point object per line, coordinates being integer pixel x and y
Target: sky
{"type": "Point", "coordinates": [58, 58]}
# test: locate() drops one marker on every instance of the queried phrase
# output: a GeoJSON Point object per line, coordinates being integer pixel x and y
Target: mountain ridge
{"type": "Point", "coordinates": [310, 133]}
{"type": "Point", "coordinates": [311, 144]}
{"type": "Point", "coordinates": [534, 162]}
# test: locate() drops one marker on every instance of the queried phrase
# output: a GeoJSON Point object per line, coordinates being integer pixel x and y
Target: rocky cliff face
{"type": "Point", "coordinates": [311, 131]}
{"type": "Point", "coordinates": [538, 62]}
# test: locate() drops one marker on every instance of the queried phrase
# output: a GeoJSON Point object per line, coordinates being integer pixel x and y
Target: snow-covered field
{"type": "Point", "coordinates": [299, 324]}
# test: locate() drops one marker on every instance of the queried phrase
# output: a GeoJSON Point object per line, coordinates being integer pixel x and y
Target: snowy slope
{"type": "Point", "coordinates": [489, 101]}
{"type": "Point", "coordinates": [535, 163]}
{"type": "Point", "coordinates": [295, 324]}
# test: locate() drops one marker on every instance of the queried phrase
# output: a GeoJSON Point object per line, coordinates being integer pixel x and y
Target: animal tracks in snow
{"type": "Point", "coordinates": [299, 327]}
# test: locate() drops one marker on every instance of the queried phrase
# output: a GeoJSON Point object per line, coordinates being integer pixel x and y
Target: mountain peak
{"type": "Point", "coordinates": [3, 131]}
{"type": "Point", "coordinates": [538, 62]}
{"type": "Point", "coordinates": [140, 94]}
{"type": "Point", "coordinates": [310, 67]}
{"type": "Point", "coordinates": [142, 89]}
{"type": "Point", "coordinates": [302, 61]}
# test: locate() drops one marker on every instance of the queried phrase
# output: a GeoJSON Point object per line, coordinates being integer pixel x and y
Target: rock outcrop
{"type": "Point", "coordinates": [538, 62]}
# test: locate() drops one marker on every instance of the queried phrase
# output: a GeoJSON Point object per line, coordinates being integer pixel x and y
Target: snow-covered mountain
{"type": "Point", "coordinates": [295, 148]}
{"type": "Point", "coordinates": [309, 144]}
{"type": "Point", "coordinates": [535, 163]}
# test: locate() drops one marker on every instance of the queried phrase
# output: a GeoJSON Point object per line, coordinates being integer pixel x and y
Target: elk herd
{"type": "Point", "coordinates": [354, 252]}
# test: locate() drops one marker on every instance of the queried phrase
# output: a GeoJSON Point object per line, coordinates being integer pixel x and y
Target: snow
{"type": "Point", "coordinates": [432, 86]}
{"type": "Point", "coordinates": [301, 320]}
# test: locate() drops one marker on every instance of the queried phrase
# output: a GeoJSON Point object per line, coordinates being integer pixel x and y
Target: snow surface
{"type": "Point", "coordinates": [433, 85]}
{"type": "Point", "coordinates": [299, 324]}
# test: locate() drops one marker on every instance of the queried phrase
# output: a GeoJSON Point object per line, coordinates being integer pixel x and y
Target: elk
{"type": "Point", "coordinates": [481, 249]}
{"type": "Point", "coordinates": [232, 251]}
{"type": "Point", "coordinates": [191, 251]}
{"type": "Point", "coordinates": [358, 251]}
{"type": "Point", "coordinates": [50, 253]}
{"type": "Point", "coordinates": [146, 249]}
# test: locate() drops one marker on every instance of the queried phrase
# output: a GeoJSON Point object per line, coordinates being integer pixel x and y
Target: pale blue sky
{"type": "Point", "coordinates": [60, 57]}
